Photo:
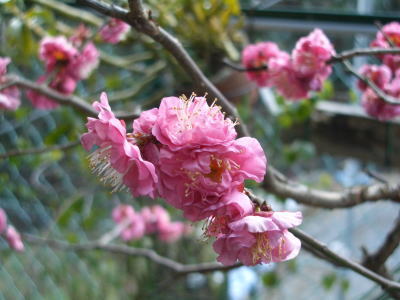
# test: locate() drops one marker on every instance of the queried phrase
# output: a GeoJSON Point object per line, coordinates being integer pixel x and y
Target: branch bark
{"type": "Point", "coordinates": [64, 147]}
{"type": "Point", "coordinates": [278, 184]}
{"type": "Point", "coordinates": [68, 100]}
{"type": "Point", "coordinates": [175, 266]}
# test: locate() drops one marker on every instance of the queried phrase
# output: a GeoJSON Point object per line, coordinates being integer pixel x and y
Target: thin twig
{"type": "Point", "coordinates": [387, 38]}
{"type": "Point", "coordinates": [279, 185]}
{"type": "Point", "coordinates": [376, 260]}
{"type": "Point", "coordinates": [362, 52]}
{"type": "Point", "coordinates": [381, 94]}
{"type": "Point", "coordinates": [41, 150]}
{"type": "Point", "coordinates": [131, 251]}
{"type": "Point", "coordinates": [323, 249]}
{"type": "Point", "coordinates": [68, 100]}
{"type": "Point", "coordinates": [240, 68]}
{"type": "Point", "coordinates": [375, 176]}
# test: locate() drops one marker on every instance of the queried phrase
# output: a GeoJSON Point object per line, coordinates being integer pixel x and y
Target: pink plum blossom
{"type": "Point", "coordinates": [114, 31]}
{"type": "Point", "coordinates": [259, 55]}
{"type": "Point", "coordinates": [85, 62]}
{"type": "Point", "coordinates": [392, 32]}
{"type": "Point", "coordinates": [311, 54]}
{"type": "Point", "coordinates": [3, 220]}
{"type": "Point", "coordinates": [136, 226]}
{"type": "Point", "coordinates": [10, 96]}
{"type": "Point", "coordinates": [14, 239]}
{"type": "Point", "coordinates": [171, 232]}
{"type": "Point", "coordinates": [195, 180]}
{"type": "Point", "coordinates": [187, 123]}
{"type": "Point", "coordinates": [259, 238]}
{"type": "Point", "coordinates": [285, 79]}
{"type": "Point", "coordinates": [57, 52]}
{"type": "Point", "coordinates": [118, 160]}
{"type": "Point", "coordinates": [377, 108]}
{"type": "Point", "coordinates": [380, 75]}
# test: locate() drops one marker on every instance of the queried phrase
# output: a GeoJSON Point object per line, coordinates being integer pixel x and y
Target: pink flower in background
{"type": "Point", "coordinates": [61, 82]}
{"type": "Point", "coordinates": [114, 31]}
{"type": "Point", "coordinates": [57, 52]}
{"type": "Point", "coordinates": [285, 80]}
{"type": "Point", "coordinates": [3, 220]}
{"type": "Point", "coordinates": [259, 55]}
{"type": "Point", "coordinates": [377, 108]}
{"type": "Point", "coordinates": [10, 96]}
{"type": "Point", "coordinates": [151, 220]}
{"type": "Point", "coordinates": [14, 239]}
{"type": "Point", "coordinates": [85, 62]}
{"type": "Point", "coordinates": [187, 123]}
{"type": "Point", "coordinates": [311, 54]}
{"type": "Point", "coordinates": [155, 217]}
{"type": "Point", "coordinates": [259, 238]}
{"type": "Point", "coordinates": [136, 226]}
{"type": "Point", "coordinates": [380, 75]}
{"type": "Point", "coordinates": [171, 232]}
{"type": "Point", "coordinates": [391, 31]}
{"type": "Point", "coordinates": [80, 36]}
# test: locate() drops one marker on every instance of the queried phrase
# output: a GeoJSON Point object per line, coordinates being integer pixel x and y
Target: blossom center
{"type": "Point", "coordinates": [262, 249]}
{"type": "Point", "coordinates": [217, 168]}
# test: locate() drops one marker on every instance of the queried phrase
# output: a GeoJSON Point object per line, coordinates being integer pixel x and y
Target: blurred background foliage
{"type": "Point", "coordinates": [53, 193]}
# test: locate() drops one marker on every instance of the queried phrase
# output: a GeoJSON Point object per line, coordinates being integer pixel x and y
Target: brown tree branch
{"type": "Point", "coordinates": [278, 184]}
{"type": "Point", "coordinates": [381, 94]}
{"type": "Point", "coordinates": [21, 152]}
{"type": "Point", "coordinates": [376, 260]}
{"type": "Point", "coordinates": [340, 260]}
{"type": "Point", "coordinates": [362, 52]}
{"type": "Point", "coordinates": [68, 100]}
{"type": "Point", "coordinates": [240, 68]}
{"type": "Point", "coordinates": [150, 254]}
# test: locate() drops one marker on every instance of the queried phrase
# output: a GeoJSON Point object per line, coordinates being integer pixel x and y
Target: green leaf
{"type": "Point", "coordinates": [271, 279]}
{"type": "Point", "coordinates": [328, 281]}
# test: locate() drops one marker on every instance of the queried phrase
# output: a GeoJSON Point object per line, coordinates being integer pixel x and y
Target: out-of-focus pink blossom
{"type": "Point", "coordinates": [80, 36]}
{"type": "Point", "coordinates": [10, 96]}
{"type": "Point", "coordinates": [62, 83]}
{"type": "Point", "coordinates": [136, 226]}
{"type": "Point", "coordinates": [285, 79]}
{"type": "Point", "coordinates": [114, 31]}
{"type": "Point", "coordinates": [171, 232]}
{"type": "Point", "coordinates": [14, 239]}
{"type": "Point", "coordinates": [189, 123]}
{"type": "Point", "coordinates": [380, 75]}
{"type": "Point", "coordinates": [57, 52]}
{"type": "Point", "coordinates": [155, 217]}
{"type": "Point", "coordinates": [389, 31]}
{"type": "Point", "coordinates": [311, 54]}
{"type": "Point", "coordinates": [377, 108]}
{"type": "Point", "coordinates": [85, 62]}
{"type": "Point", "coordinates": [259, 238]}
{"type": "Point", "coordinates": [259, 55]}
{"type": "Point", "coordinates": [3, 220]}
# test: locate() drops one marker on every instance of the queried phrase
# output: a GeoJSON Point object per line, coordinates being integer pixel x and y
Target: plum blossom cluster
{"type": "Point", "coordinates": [10, 233]}
{"type": "Point", "coordinates": [385, 76]}
{"type": "Point", "coordinates": [186, 152]}
{"type": "Point", "coordinates": [114, 31]}
{"type": "Point", "coordinates": [66, 61]}
{"type": "Point", "coordinates": [150, 220]}
{"type": "Point", "coordinates": [294, 76]}
{"type": "Point", "coordinates": [10, 96]}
